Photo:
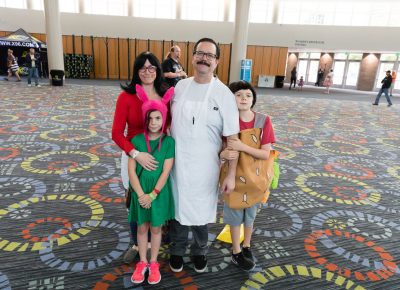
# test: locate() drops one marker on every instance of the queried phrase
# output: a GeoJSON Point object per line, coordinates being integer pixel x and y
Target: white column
{"type": "Point", "coordinates": [29, 4]}
{"type": "Point", "coordinates": [226, 10]}
{"type": "Point", "coordinates": [178, 9]}
{"type": "Point", "coordinates": [130, 8]}
{"type": "Point", "coordinates": [82, 9]}
{"type": "Point", "coordinates": [239, 45]}
{"type": "Point", "coordinates": [53, 33]}
{"type": "Point", "coordinates": [275, 15]}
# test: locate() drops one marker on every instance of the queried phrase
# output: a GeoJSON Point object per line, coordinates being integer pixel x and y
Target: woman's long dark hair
{"type": "Point", "coordinates": [159, 83]}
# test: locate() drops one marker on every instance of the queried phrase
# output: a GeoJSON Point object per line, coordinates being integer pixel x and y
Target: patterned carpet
{"type": "Point", "coordinates": [333, 223]}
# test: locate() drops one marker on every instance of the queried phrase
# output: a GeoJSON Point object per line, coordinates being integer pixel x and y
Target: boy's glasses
{"type": "Point", "coordinates": [150, 69]}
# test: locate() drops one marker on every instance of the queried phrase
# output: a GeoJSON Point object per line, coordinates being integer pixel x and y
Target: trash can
{"type": "Point", "coordinates": [279, 81]}
{"type": "Point", "coordinates": [57, 77]}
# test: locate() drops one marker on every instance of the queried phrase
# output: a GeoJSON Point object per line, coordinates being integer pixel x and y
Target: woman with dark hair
{"type": "Point", "coordinates": [128, 115]}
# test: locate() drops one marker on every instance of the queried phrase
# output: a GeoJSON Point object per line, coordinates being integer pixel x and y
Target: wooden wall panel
{"type": "Point", "coordinates": [224, 62]}
{"type": "Point", "coordinates": [113, 69]}
{"type": "Point", "coordinates": [156, 47]}
{"type": "Point", "coordinates": [67, 43]}
{"type": "Point", "coordinates": [257, 65]}
{"type": "Point", "coordinates": [78, 44]}
{"type": "Point", "coordinates": [189, 69]}
{"type": "Point", "coordinates": [141, 46]}
{"type": "Point", "coordinates": [274, 60]}
{"type": "Point", "coordinates": [132, 55]}
{"type": "Point", "coordinates": [123, 52]}
{"type": "Point", "coordinates": [167, 47]}
{"type": "Point", "coordinates": [251, 54]}
{"type": "Point", "coordinates": [99, 57]}
{"type": "Point", "coordinates": [266, 63]}
{"type": "Point", "coordinates": [87, 45]}
{"type": "Point", "coordinates": [283, 55]}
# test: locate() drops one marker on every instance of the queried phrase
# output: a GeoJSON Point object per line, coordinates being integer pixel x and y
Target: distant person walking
{"type": "Point", "coordinates": [328, 82]}
{"type": "Point", "coordinates": [393, 83]}
{"type": "Point", "coordinates": [320, 76]}
{"type": "Point", "coordinates": [386, 83]}
{"type": "Point", "coordinates": [293, 78]}
{"type": "Point", "coordinates": [12, 66]}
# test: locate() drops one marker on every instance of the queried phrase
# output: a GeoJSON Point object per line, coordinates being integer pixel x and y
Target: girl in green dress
{"type": "Point", "coordinates": [152, 202]}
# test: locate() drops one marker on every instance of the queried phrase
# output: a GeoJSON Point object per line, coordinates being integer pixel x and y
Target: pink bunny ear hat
{"type": "Point", "coordinates": [158, 105]}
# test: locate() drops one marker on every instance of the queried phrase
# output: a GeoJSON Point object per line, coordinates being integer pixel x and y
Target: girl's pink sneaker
{"type": "Point", "coordinates": [154, 273]}
{"type": "Point", "coordinates": [140, 270]}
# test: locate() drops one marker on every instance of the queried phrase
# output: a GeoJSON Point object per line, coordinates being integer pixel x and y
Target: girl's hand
{"type": "Point", "coordinates": [147, 161]}
{"type": "Point", "coordinates": [229, 154]}
{"type": "Point", "coordinates": [145, 201]}
{"type": "Point", "coordinates": [235, 144]}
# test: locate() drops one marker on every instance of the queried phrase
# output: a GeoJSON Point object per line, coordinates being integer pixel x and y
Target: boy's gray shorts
{"type": "Point", "coordinates": [236, 217]}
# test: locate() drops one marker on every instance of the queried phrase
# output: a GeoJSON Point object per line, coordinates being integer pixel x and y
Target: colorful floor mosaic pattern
{"type": "Point", "coordinates": [333, 222]}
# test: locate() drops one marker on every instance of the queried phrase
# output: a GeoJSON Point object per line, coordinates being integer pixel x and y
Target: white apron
{"type": "Point", "coordinates": [196, 170]}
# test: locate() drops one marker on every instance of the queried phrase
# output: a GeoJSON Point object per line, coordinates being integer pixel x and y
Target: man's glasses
{"type": "Point", "coordinates": [150, 69]}
{"type": "Point", "coordinates": [201, 54]}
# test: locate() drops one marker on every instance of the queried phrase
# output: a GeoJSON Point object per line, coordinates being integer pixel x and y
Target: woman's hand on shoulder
{"type": "Point", "coordinates": [147, 161]}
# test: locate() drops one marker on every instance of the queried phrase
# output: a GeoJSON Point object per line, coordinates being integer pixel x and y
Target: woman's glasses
{"type": "Point", "coordinates": [150, 69]}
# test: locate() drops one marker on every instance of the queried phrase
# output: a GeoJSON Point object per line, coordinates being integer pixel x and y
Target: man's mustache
{"type": "Point", "coordinates": [203, 62]}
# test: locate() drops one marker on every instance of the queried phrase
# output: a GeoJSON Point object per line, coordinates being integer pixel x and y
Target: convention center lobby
{"type": "Point", "coordinates": [331, 223]}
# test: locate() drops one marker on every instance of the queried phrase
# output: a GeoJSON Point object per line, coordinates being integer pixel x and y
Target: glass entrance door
{"type": "Point", "coordinates": [338, 73]}
{"type": "Point", "coordinates": [353, 70]}
{"type": "Point", "coordinates": [302, 69]}
{"type": "Point", "coordinates": [397, 81]}
{"type": "Point", "coordinates": [313, 71]}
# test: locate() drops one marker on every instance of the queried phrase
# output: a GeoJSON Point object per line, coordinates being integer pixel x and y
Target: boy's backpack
{"type": "Point", "coordinates": [253, 176]}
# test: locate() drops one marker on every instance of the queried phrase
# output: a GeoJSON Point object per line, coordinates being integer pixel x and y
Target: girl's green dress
{"type": "Point", "coordinates": [162, 208]}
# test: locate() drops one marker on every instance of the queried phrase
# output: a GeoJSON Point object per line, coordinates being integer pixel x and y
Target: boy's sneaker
{"type": "Point", "coordinates": [38, 86]}
{"type": "Point", "coordinates": [176, 263]}
{"type": "Point", "coordinates": [29, 85]}
{"type": "Point", "coordinates": [242, 262]}
{"type": "Point", "coordinates": [247, 253]}
{"type": "Point", "coordinates": [154, 273]}
{"type": "Point", "coordinates": [200, 263]}
{"type": "Point", "coordinates": [130, 254]}
{"type": "Point", "coordinates": [138, 275]}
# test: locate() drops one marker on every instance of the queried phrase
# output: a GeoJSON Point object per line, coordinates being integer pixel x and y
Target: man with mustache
{"type": "Point", "coordinates": [203, 111]}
